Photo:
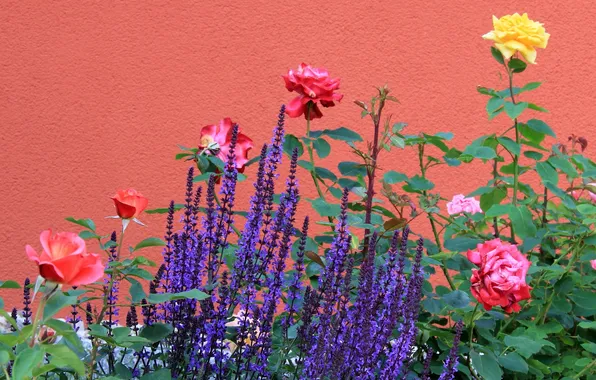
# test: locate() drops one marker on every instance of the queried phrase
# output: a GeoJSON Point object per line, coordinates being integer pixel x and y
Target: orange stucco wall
{"type": "Point", "coordinates": [94, 96]}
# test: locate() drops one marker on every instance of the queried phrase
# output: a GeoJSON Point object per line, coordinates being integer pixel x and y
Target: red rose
{"type": "Point", "coordinates": [64, 259]}
{"type": "Point", "coordinates": [501, 277]}
{"type": "Point", "coordinates": [129, 203]}
{"type": "Point", "coordinates": [215, 140]}
{"type": "Point", "coordinates": [312, 85]}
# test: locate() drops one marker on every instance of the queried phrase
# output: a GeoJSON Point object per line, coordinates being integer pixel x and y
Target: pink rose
{"type": "Point", "coordinates": [215, 140]}
{"type": "Point", "coordinates": [593, 263]}
{"type": "Point", "coordinates": [577, 194]}
{"type": "Point", "coordinates": [129, 203]}
{"type": "Point", "coordinates": [460, 204]}
{"type": "Point", "coordinates": [64, 259]}
{"type": "Point", "coordinates": [312, 85]}
{"type": "Point", "coordinates": [500, 279]}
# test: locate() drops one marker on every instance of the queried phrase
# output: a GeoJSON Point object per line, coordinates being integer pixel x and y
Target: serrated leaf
{"type": "Point", "coordinates": [189, 294]}
{"type": "Point", "coordinates": [87, 223]}
{"type": "Point", "coordinates": [486, 364]}
{"type": "Point", "coordinates": [540, 126]}
{"type": "Point", "coordinates": [324, 208]}
{"type": "Point", "coordinates": [547, 173]}
{"type": "Point", "coordinates": [322, 147]}
{"type": "Point", "coordinates": [391, 177]}
{"type": "Point", "coordinates": [62, 357]}
{"type": "Point", "coordinates": [514, 362]}
{"type": "Point", "coordinates": [530, 86]}
{"type": "Point", "coordinates": [497, 55]}
{"type": "Point", "coordinates": [517, 65]}
{"type": "Point", "coordinates": [291, 142]}
{"type": "Point", "coordinates": [514, 110]}
{"type": "Point", "coordinates": [149, 242]}
{"type": "Point", "coordinates": [457, 299]}
{"type": "Point", "coordinates": [9, 285]}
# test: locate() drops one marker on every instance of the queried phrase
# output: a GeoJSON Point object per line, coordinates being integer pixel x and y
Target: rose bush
{"type": "Point", "coordinates": [254, 294]}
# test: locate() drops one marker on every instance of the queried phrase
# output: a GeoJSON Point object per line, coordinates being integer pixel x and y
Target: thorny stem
{"type": "Point", "coordinates": [311, 158]}
{"type": "Point", "coordinates": [515, 156]}
{"type": "Point", "coordinates": [432, 220]}
{"type": "Point", "coordinates": [105, 305]}
{"type": "Point", "coordinates": [495, 220]}
{"type": "Point", "coordinates": [372, 167]}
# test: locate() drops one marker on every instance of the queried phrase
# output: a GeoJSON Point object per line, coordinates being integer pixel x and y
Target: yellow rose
{"type": "Point", "coordinates": [518, 33]}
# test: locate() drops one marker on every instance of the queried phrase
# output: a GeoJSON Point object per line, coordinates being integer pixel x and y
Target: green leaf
{"type": "Point", "coordinates": [510, 145]}
{"type": "Point", "coordinates": [86, 235]}
{"type": "Point", "coordinates": [87, 223]}
{"type": "Point", "coordinates": [324, 208]}
{"type": "Point", "coordinates": [61, 356]}
{"type": "Point", "coordinates": [4, 358]}
{"type": "Point", "coordinates": [418, 183]}
{"type": "Point", "coordinates": [137, 293]}
{"type": "Point", "coordinates": [325, 173]}
{"type": "Point", "coordinates": [392, 177]}
{"type": "Point", "coordinates": [497, 210]}
{"type": "Point", "coordinates": [164, 210]}
{"type": "Point", "coordinates": [535, 107]}
{"type": "Point", "coordinates": [525, 345]}
{"type": "Point", "coordinates": [160, 374]}
{"type": "Point", "coordinates": [457, 299]}
{"type": "Point", "coordinates": [322, 147]}
{"type": "Point", "coordinates": [532, 135]}
{"type": "Point", "coordinates": [149, 242]}
{"type": "Point", "coordinates": [514, 110]}
{"type": "Point", "coordinates": [530, 86]}
{"type": "Point", "coordinates": [492, 198]}
{"type": "Point", "coordinates": [351, 169]}
{"type": "Point", "coordinates": [57, 302]}
{"type": "Point", "coordinates": [481, 152]}
{"type": "Point", "coordinates": [536, 156]}
{"type": "Point", "coordinates": [9, 285]}
{"type": "Point", "coordinates": [517, 65]}
{"type": "Point", "coordinates": [341, 133]}
{"type": "Point", "coordinates": [494, 104]}
{"type": "Point", "coordinates": [547, 173]}
{"type": "Point", "coordinates": [564, 166]}
{"type": "Point", "coordinates": [156, 332]}
{"type": "Point", "coordinates": [189, 294]}
{"type": "Point", "coordinates": [487, 365]}
{"type": "Point", "coordinates": [291, 142]}
{"type": "Point", "coordinates": [398, 142]}
{"type": "Point", "coordinates": [541, 127]}
{"type": "Point", "coordinates": [588, 325]}
{"type": "Point", "coordinates": [26, 361]}
{"type": "Point", "coordinates": [522, 221]}
{"type": "Point", "coordinates": [461, 243]}
{"type": "Point", "coordinates": [513, 362]}
{"type": "Point", "coordinates": [497, 55]}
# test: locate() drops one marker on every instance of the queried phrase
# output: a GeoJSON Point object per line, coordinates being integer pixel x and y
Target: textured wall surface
{"type": "Point", "coordinates": [94, 96]}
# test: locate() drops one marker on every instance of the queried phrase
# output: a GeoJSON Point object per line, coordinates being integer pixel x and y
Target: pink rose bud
{"type": "Point", "coordinates": [593, 263]}
{"type": "Point", "coordinates": [460, 204]}
{"type": "Point", "coordinates": [500, 279]}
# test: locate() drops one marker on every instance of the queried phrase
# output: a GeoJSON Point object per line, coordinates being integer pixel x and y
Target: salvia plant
{"type": "Point", "coordinates": [499, 286]}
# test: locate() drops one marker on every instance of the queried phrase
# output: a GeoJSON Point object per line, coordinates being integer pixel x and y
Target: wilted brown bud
{"type": "Point", "coordinates": [361, 104]}
{"type": "Point", "coordinates": [583, 143]}
{"type": "Point", "coordinates": [47, 335]}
